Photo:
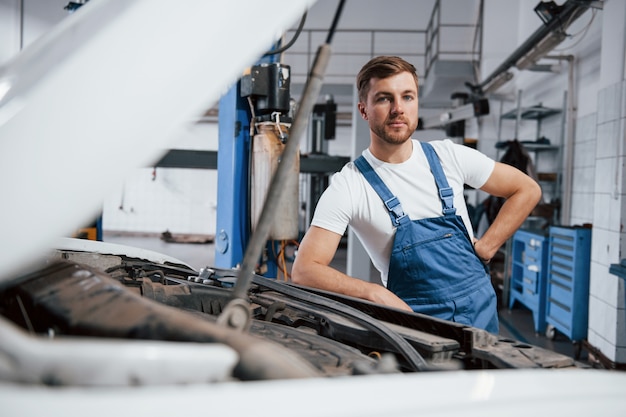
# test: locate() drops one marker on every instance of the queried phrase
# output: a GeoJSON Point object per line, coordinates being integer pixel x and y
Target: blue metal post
{"type": "Point", "coordinates": [232, 179]}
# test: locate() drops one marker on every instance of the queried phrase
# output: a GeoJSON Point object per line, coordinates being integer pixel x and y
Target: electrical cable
{"type": "Point", "coordinates": [582, 31]}
{"type": "Point", "coordinates": [281, 257]}
{"type": "Point", "coordinates": [333, 27]}
{"type": "Point", "coordinates": [283, 261]}
{"type": "Point", "coordinates": [291, 41]}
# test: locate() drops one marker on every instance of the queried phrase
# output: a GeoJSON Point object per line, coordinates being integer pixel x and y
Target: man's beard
{"type": "Point", "coordinates": [393, 136]}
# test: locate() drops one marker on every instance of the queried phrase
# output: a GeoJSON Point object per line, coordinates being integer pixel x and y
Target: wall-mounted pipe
{"type": "Point", "coordinates": [568, 146]}
{"type": "Point", "coordinates": [572, 10]}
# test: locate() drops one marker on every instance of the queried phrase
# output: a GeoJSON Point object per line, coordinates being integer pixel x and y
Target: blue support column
{"type": "Point", "coordinates": [232, 180]}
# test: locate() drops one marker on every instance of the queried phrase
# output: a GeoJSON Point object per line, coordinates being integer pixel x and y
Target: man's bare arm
{"type": "Point", "coordinates": [522, 194]}
{"type": "Point", "coordinates": [311, 268]}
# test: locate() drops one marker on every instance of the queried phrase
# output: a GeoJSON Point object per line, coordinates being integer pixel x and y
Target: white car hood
{"type": "Point", "coordinates": [103, 93]}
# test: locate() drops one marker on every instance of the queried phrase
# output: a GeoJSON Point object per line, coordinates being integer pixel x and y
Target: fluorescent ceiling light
{"type": "Point", "coordinates": [542, 48]}
{"type": "Point", "coordinates": [498, 82]}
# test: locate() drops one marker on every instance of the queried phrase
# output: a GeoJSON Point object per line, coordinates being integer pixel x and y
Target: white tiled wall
{"type": "Point", "coordinates": [607, 316]}
{"type": "Point", "coordinates": [168, 199]}
{"type": "Point", "coordinates": [177, 200]}
{"type": "Point", "coordinates": [584, 170]}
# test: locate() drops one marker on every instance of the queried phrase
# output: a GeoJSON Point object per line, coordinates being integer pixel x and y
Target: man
{"type": "Point", "coordinates": [404, 200]}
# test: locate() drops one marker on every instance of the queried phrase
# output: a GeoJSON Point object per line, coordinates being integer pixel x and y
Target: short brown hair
{"type": "Point", "coordinates": [382, 67]}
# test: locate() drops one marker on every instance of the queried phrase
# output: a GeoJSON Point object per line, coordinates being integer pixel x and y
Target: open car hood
{"type": "Point", "coordinates": [129, 330]}
{"type": "Point", "coordinates": [102, 330]}
{"type": "Point", "coordinates": [103, 93]}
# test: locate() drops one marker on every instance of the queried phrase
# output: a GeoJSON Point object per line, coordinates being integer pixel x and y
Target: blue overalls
{"type": "Point", "coordinates": [433, 265]}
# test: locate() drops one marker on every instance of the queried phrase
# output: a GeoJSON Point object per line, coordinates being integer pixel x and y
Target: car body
{"type": "Point", "coordinates": [110, 328]}
{"type": "Point", "coordinates": [89, 327]}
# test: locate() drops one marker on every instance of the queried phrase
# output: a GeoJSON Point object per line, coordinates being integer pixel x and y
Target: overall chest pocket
{"type": "Point", "coordinates": [436, 258]}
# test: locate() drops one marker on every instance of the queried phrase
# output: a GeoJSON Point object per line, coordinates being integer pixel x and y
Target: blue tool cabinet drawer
{"type": "Point", "coordinates": [530, 282]}
{"type": "Point", "coordinates": [560, 293]}
{"type": "Point", "coordinates": [567, 298]}
{"type": "Point", "coordinates": [528, 274]}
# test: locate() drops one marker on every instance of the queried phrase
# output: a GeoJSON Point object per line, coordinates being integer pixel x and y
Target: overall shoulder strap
{"type": "Point", "coordinates": [446, 195]}
{"type": "Point", "coordinates": [391, 202]}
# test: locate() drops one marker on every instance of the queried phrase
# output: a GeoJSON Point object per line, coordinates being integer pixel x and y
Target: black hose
{"type": "Point", "coordinates": [291, 42]}
{"type": "Point", "coordinates": [412, 356]}
{"type": "Point", "coordinates": [333, 26]}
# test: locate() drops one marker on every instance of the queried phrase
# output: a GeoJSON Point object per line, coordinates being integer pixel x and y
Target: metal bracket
{"type": "Point", "coordinates": [236, 315]}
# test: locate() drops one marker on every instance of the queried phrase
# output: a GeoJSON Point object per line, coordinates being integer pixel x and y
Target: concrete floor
{"type": "Point", "coordinates": [516, 323]}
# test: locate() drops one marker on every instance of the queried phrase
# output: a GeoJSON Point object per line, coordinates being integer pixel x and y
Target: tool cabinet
{"type": "Point", "coordinates": [528, 274]}
{"type": "Point", "coordinates": [567, 296]}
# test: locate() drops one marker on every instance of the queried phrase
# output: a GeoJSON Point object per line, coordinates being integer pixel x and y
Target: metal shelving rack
{"type": "Point", "coordinates": [537, 113]}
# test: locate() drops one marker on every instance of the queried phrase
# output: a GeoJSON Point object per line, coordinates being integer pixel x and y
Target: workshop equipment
{"type": "Point", "coordinates": [267, 148]}
{"type": "Point", "coordinates": [567, 297]}
{"type": "Point", "coordinates": [267, 88]}
{"type": "Point", "coordinates": [528, 274]}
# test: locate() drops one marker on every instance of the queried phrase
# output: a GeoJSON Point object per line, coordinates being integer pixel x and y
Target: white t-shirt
{"type": "Point", "coordinates": [350, 199]}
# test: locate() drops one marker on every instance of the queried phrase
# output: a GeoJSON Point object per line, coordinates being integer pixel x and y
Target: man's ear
{"type": "Point", "coordinates": [362, 110]}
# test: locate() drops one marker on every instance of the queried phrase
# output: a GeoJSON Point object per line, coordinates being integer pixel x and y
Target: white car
{"type": "Point", "coordinates": [101, 329]}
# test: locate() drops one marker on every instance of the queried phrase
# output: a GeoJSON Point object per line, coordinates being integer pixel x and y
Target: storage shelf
{"type": "Point", "coordinates": [531, 113]}
{"type": "Point", "coordinates": [547, 176]}
{"type": "Point", "coordinates": [533, 146]}
{"type": "Point", "coordinates": [530, 145]}
{"type": "Point", "coordinates": [540, 148]}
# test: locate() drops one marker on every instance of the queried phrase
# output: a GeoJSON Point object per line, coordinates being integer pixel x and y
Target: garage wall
{"type": "Point", "coordinates": [23, 21]}
{"type": "Point", "coordinates": [178, 200]}
{"type": "Point", "coordinates": [607, 315]}
{"type": "Point", "coordinates": [155, 200]}
{"type": "Point", "coordinates": [9, 29]}
{"type": "Point", "coordinates": [598, 147]}
{"type": "Point", "coordinates": [548, 89]}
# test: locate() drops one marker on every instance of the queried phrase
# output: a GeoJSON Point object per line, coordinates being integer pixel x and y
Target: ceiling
{"type": "Point", "coordinates": [367, 28]}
